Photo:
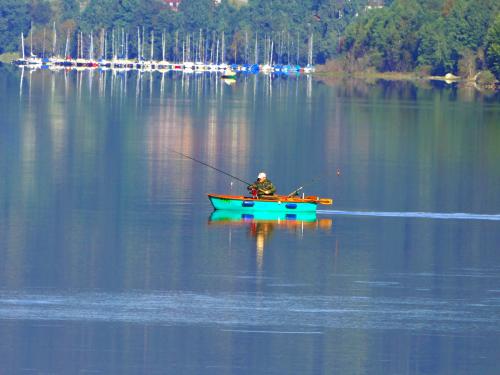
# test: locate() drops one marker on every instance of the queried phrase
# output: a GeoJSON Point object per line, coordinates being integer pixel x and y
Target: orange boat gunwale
{"type": "Point", "coordinates": [275, 198]}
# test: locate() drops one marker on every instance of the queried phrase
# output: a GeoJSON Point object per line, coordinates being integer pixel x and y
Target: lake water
{"type": "Point", "coordinates": [111, 261]}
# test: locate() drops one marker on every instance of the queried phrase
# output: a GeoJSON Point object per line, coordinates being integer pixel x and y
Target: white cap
{"type": "Point", "coordinates": [261, 175]}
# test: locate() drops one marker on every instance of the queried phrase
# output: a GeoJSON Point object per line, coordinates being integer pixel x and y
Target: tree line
{"type": "Point", "coordinates": [430, 36]}
{"type": "Point", "coordinates": [434, 36]}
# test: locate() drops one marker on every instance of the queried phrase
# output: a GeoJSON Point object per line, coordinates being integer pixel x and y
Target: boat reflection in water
{"type": "Point", "coordinates": [262, 224]}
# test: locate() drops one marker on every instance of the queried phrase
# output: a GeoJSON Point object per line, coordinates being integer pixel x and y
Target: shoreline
{"type": "Point", "coordinates": [8, 57]}
{"type": "Point", "coordinates": [394, 76]}
{"type": "Point", "coordinates": [321, 72]}
{"type": "Point", "coordinates": [405, 76]}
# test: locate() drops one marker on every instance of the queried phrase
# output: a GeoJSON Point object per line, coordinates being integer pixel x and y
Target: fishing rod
{"type": "Point", "coordinates": [295, 192]}
{"type": "Point", "coordinates": [312, 181]}
{"type": "Point", "coordinates": [211, 166]}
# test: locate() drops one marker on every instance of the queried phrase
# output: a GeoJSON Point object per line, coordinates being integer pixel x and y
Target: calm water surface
{"type": "Point", "coordinates": [111, 261]}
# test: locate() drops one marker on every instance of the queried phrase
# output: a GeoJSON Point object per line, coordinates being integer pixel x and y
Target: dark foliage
{"type": "Point", "coordinates": [438, 36]}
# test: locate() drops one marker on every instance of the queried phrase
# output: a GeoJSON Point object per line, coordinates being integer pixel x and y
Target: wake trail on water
{"type": "Point", "coordinates": [421, 215]}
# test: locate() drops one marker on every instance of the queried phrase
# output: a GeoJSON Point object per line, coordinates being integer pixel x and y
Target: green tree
{"type": "Point", "coordinates": [41, 12]}
{"type": "Point", "coordinates": [331, 19]}
{"type": "Point", "coordinates": [493, 47]}
{"type": "Point", "coordinates": [99, 14]}
{"type": "Point", "coordinates": [387, 36]}
{"type": "Point", "coordinates": [438, 35]}
{"type": "Point", "coordinates": [197, 14]}
{"type": "Point", "coordinates": [14, 19]}
{"type": "Point", "coordinates": [69, 9]}
{"type": "Point", "coordinates": [467, 64]}
{"type": "Point", "coordinates": [434, 49]}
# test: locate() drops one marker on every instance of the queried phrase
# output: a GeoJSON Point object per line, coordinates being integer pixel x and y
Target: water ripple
{"type": "Point", "coordinates": [291, 313]}
{"type": "Point", "coordinates": [421, 215]}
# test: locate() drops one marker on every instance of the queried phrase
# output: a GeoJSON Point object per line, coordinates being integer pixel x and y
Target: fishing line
{"type": "Point", "coordinates": [211, 166]}
{"type": "Point", "coordinates": [239, 179]}
{"type": "Point", "coordinates": [310, 182]}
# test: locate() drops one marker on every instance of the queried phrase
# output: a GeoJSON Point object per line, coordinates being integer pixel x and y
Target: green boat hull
{"type": "Point", "coordinates": [252, 205]}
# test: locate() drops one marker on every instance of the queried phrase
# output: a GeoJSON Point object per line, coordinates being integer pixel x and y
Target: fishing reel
{"type": "Point", "coordinates": [253, 191]}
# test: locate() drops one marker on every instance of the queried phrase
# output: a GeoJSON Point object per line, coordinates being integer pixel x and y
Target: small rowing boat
{"type": "Point", "coordinates": [271, 203]}
{"type": "Point", "coordinates": [229, 74]}
{"type": "Point", "coordinates": [276, 203]}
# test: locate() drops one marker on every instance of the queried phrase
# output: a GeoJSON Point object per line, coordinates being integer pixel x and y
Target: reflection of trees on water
{"type": "Point", "coordinates": [262, 226]}
{"type": "Point", "coordinates": [67, 136]}
{"type": "Point", "coordinates": [194, 113]}
{"type": "Point", "coordinates": [115, 82]}
{"type": "Point", "coordinates": [261, 231]}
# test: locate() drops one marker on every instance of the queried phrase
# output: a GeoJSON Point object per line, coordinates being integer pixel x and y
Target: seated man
{"type": "Point", "coordinates": [262, 187]}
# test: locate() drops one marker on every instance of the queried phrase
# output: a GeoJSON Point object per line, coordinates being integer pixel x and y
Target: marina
{"type": "Point", "coordinates": [199, 56]}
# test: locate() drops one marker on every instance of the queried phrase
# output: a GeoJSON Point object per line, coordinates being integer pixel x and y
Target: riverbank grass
{"type": "Point", "coordinates": [8, 57]}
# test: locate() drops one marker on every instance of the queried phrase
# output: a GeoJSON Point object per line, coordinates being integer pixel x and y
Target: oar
{"type": "Point", "coordinates": [325, 201]}
{"type": "Point", "coordinates": [320, 200]}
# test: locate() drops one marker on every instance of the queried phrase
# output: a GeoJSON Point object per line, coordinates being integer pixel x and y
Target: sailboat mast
{"type": "Point", "coordinates": [143, 48]}
{"type": "Point", "coordinates": [163, 45]}
{"type": "Point", "coordinates": [279, 50]}
{"type": "Point", "coordinates": [212, 48]}
{"type": "Point", "coordinates": [200, 46]}
{"type": "Point", "coordinates": [126, 45]}
{"type": "Point", "coordinates": [205, 49]}
{"type": "Point", "coordinates": [138, 44]}
{"type": "Point", "coordinates": [105, 44]}
{"type": "Point", "coordinates": [54, 39]}
{"type": "Point", "coordinates": [288, 48]}
{"type": "Point", "coordinates": [246, 47]}
{"type": "Point", "coordinates": [43, 44]}
{"type": "Point", "coordinates": [223, 48]}
{"type": "Point", "coordinates": [310, 57]}
{"type": "Point", "coordinates": [271, 53]}
{"type": "Point", "coordinates": [91, 49]}
{"type": "Point", "coordinates": [265, 51]}
{"type": "Point", "coordinates": [152, 43]}
{"type": "Point", "coordinates": [235, 51]}
{"type": "Point", "coordinates": [31, 40]}
{"type": "Point", "coordinates": [22, 44]}
{"type": "Point", "coordinates": [176, 51]}
{"type": "Point", "coordinates": [217, 53]}
{"type": "Point", "coordinates": [101, 44]}
{"type": "Point", "coordinates": [297, 58]}
{"type": "Point", "coordinates": [256, 50]}
{"type": "Point", "coordinates": [113, 56]}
